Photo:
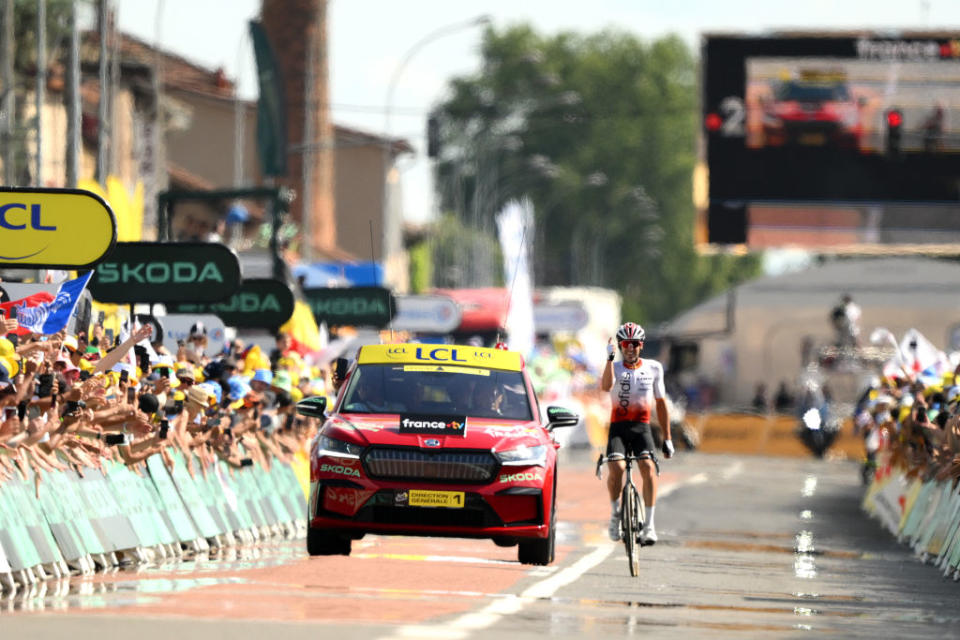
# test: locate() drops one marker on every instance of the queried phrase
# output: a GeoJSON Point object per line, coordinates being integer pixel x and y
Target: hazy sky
{"type": "Point", "coordinates": [369, 38]}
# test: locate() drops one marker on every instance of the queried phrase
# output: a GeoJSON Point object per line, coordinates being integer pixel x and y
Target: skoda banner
{"type": "Point", "coordinates": [259, 303]}
{"type": "Point", "coordinates": [54, 228]}
{"type": "Point", "coordinates": [352, 306]}
{"type": "Point", "coordinates": [166, 272]}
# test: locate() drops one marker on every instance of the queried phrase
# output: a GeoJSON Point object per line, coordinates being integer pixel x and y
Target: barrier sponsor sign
{"type": "Point", "coordinates": [259, 303]}
{"type": "Point", "coordinates": [176, 327]}
{"type": "Point", "coordinates": [559, 316]}
{"type": "Point", "coordinates": [426, 314]}
{"type": "Point", "coordinates": [54, 228]}
{"type": "Point", "coordinates": [166, 272]}
{"type": "Point", "coordinates": [352, 306]}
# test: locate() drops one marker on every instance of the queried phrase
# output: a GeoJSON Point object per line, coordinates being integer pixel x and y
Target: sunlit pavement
{"type": "Point", "coordinates": [749, 546]}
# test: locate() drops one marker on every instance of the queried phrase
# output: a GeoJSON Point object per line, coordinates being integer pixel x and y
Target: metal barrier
{"type": "Point", "coordinates": [63, 522]}
{"type": "Point", "coordinates": [925, 514]}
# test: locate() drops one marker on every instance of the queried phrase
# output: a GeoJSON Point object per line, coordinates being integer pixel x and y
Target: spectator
{"type": "Point", "coordinates": [783, 400]}
{"type": "Point", "coordinates": [845, 318]}
{"type": "Point", "coordinates": [759, 402]}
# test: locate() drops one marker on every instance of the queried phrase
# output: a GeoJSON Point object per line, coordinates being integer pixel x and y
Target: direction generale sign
{"type": "Point", "coordinates": [54, 228]}
{"type": "Point", "coordinates": [167, 272]}
{"type": "Point", "coordinates": [259, 303]}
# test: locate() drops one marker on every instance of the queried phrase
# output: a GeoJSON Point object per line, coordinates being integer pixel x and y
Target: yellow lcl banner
{"type": "Point", "coordinates": [54, 228]}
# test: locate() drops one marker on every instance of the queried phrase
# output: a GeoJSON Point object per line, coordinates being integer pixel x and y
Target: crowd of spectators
{"type": "Point", "coordinates": [76, 400]}
{"type": "Point", "coordinates": [917, 424]}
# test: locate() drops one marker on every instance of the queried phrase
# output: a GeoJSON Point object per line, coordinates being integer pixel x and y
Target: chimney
{"type": "Point", "coordinates": [297, 30]}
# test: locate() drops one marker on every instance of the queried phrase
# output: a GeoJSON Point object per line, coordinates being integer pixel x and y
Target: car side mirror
{"type": "Point", "coordinates": [313, 407]}
{"type": "Point", "coordinates": [560, 417]}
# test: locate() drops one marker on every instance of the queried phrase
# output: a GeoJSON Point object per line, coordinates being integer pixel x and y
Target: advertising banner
{"type": "Point", "coordinates": [352, 306]}
{"type": "Point", "coordinates": [259, 303]}
{"type": "Point", "coordinates": [54, 228]}
{"type": "Point", "coordinates": [166, 272]}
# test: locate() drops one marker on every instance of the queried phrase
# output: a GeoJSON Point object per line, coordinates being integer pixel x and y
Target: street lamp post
{"type": "Point", "coordinates": [391, 227]}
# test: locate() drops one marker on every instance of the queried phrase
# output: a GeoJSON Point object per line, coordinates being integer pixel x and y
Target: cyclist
{"type": "Point", "coordinates": [635, 386]}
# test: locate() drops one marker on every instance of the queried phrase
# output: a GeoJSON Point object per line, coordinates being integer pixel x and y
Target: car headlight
{"type": "Point", "coordinates": [524, 456]}
{"type": "Point", "coordinates": [338, 448]}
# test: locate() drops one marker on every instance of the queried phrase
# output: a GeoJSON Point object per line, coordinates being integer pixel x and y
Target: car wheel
{"type": "Point", "coordinates": [541, 551]}
{"type": "Point", "coordinates": [326, 543]}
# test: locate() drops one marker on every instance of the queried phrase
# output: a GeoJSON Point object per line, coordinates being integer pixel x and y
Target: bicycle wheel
{"type": "Point", "coordinates": [629, 502]}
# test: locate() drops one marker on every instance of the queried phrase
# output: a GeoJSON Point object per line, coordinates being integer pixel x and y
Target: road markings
{"type": "Point", "coordinates": [489, 615]}
{"type": "Point", "coordinates": [732, 470]}
{"type": "Point", "coordinates": [429, 558]}
{"type": "Point", "coordinates": [462, 627]}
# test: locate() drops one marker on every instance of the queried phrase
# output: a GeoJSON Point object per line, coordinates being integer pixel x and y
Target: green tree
{"type": "Point", "coordinates": [600, 132]}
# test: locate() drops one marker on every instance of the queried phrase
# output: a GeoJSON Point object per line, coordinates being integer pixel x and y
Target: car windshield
{"type": "Point", "coordinates": [433, 390]}
{"type": "Point", "coordinates": [802, 92]}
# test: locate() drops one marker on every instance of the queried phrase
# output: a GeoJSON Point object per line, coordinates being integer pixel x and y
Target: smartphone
{"type": "Point", "coordinates": [256, 412]}
{"type": "Point", "coordinates": [246, 462]}
{"type": "Point", "coordinates": [9, 413]}
{"type": "Point", "coordinates": [341, 368]}
{"type": "Point", "coordinates": [114, 438]}
{"type": "Point", "coordinates": [211, 423]}
{"type": "Point", "coordinates": [44, 384]}
{"type": "Point", "coordinates": [22, 409]}
{"type": "Point", "coordinates": [177, 406]}
{"type": "Point", "coordinates": [124, 375]}
{"type": "Point", "coordinates": [291, 419]}
{"type": "Point", "coordinates": [164, 428]}
{"type": "Point", "coordinates": [101, 316]}
{"type": "Point", "coordinates": [131, 395]}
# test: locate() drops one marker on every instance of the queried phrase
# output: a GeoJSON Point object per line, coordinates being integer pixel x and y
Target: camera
{"type": "Point", "coordinates": [341, 368]}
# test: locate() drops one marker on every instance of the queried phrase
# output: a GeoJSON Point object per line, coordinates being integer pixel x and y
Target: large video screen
{"type": "Point", "coordinates": [858, 121]}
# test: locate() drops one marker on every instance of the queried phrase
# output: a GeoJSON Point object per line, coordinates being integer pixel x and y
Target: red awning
{"type": "Point", "coordinates": [483, 309]}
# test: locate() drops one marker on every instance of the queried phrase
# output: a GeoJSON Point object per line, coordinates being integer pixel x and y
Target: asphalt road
{"type": "Point", "coordinates": [750, 547]}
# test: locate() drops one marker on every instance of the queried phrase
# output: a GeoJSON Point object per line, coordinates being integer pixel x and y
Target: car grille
{"type": "Point", "coordinates": [431, 466]}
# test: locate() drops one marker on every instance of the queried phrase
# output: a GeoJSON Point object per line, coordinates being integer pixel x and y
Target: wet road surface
{"type": "Point", "coordinates": [750, 547]}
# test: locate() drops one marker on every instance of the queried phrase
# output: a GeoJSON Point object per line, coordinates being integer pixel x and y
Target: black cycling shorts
{"type": "Point", "coordinates": [636, 437]}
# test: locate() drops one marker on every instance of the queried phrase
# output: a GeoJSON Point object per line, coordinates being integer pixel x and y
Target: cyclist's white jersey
{"type": "Point", "coordinates": [635, 390]}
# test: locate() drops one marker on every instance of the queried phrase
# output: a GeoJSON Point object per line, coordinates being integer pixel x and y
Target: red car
{"type": "Point", "coordinates": [432, 440]}
{"type": "Point", "coordinates": [814, 110]}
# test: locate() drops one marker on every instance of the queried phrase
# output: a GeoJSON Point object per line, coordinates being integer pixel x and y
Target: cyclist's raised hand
{"type": "Point", "coordinates": [611, 350]}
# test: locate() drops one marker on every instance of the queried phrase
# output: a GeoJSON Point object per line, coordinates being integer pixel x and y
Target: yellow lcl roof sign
{"type": "Point", "coordinates": [434, 354]}
{"type": "Point", "coordinates": [54, 228]}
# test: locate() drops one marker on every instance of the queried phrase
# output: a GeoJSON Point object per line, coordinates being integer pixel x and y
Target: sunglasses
{"type": "Point", "coordinates": [630, 343]}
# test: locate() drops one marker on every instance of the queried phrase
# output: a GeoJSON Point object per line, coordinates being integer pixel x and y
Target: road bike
{"type": "Point", "coordinates": [632, 515]}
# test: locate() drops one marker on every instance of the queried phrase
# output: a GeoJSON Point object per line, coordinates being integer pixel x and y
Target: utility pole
{"type": "Point", "coordinates": [103, 111]}
{"type": "Point", "coordinates": [41, 85]}
{"type": "Point", "coordinates": [72, 96]}
{"type": "Point", "coordinates": [7, 97]}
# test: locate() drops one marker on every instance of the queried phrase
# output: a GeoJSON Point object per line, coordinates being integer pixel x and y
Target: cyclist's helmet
{"type": "Point", "coordinates": [630, 331]}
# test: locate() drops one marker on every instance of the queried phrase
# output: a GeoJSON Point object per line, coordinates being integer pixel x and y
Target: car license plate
{"type": "Point", "coordinates": [426, 498]}
{"type": "Point", "coordinates": [812, 139]}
